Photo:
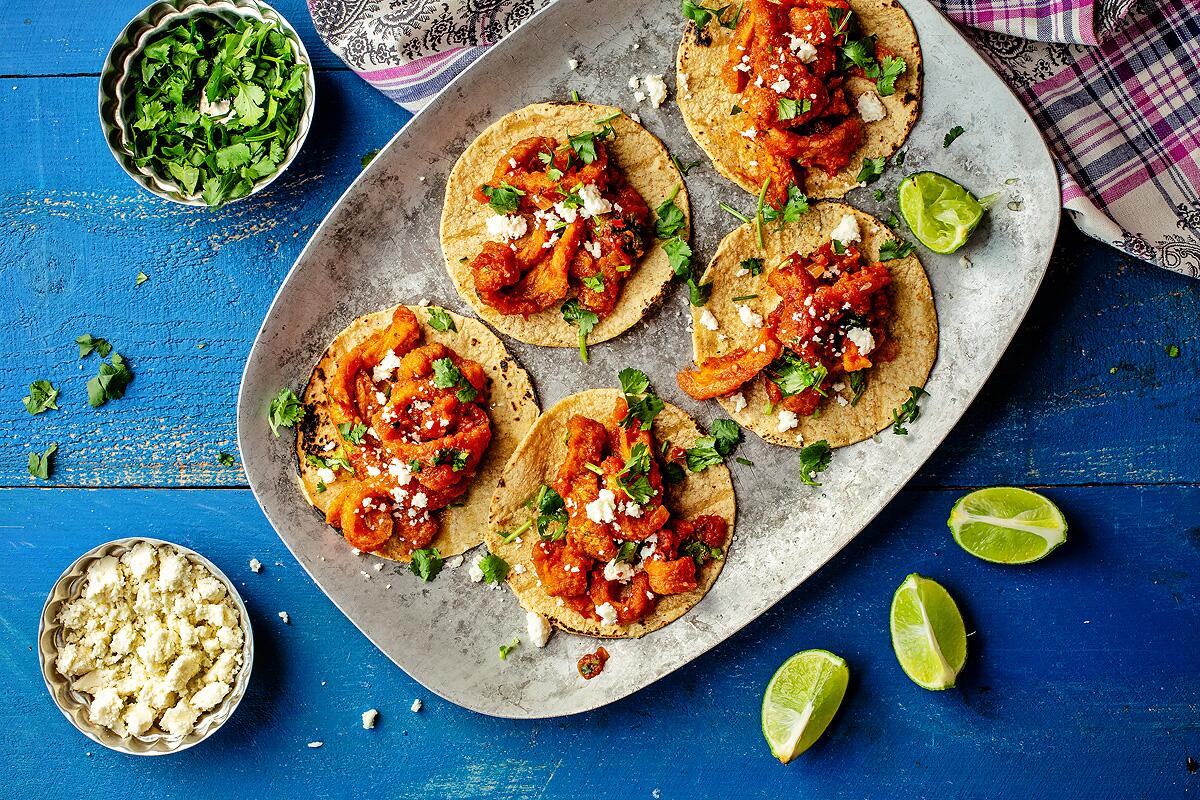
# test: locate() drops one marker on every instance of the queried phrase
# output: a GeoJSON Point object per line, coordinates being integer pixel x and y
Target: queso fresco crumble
{"type": "Point", "coordinates": [153, 639]}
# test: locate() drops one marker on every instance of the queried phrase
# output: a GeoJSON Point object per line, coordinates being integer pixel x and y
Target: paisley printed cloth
{"type": "Point", "coordinates": [1114, 85]}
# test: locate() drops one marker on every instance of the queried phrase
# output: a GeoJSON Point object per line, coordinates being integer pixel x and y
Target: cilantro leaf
{"type": "Point", "coordinates": [790, 109]}
{"type": "Point", "coordinates": [505, 649]}
{"type": "Point", "coordinates": [702, 15]}
{"type": "Point", "coordinates": [585, 320]}
{"type": "Point", "coordinates": [550, 514]}
{"type": "Point", "coordinates": [698, 293]}
{"type": "Point", "coordinates": [352, 432]}
{"type": "Point", "coordinates": [702, 455]}
{"type": "Point", "coordinates": [627, 552]}
{"type": "Point", "coordinates": [225, 459]}
{"type": "Point", "coordinates": [952, 134]}
{"type": "Point", "coordinates": [684, 169]}
{"type": "Point", "coordinates": [872, 169]}
{"type": "Point", "coordinates": [727, 434]}
{"type": "Point", "coordinates": [793, 375]}
{"type": "Point", "coordinates": [752, 265]}
{"type": "Point", "coordinates": [700, 552]}
{"type": "Point", "coordinates": [110, 382]}
{"type": "Point", "coordinates": [42, 396]}
{"type": "Point", "coordinates": [87, 343]}
{"type": "Point", "coordinates": [795, 207]}
{"type": "Point", "coordinates": [503, 199]}
{"type": "Point", "coordinates": [890, 68]}
{"type": "Point", "coordinates": [40, 463]}
{"type": "Point", "coordinates": [368, 157]}
{"type": "Point", "coordinates": [141, 278]}
{"type": "Point", "coordinates": [670, 218]}
{"type": "Point", "coordinates": [679, 256]}
{"type": "Point", "coordinates": [595, 282]}
{"type": "Point", "coordinates": [908, 411]}
{"type": "Point", "coordinates": [440, 319]}
{"type": "Point", "coordinates": [1172, 350]}
{"type": "Point", "coordinates": [445, 374]}
{"type": "Point", "coordinates": [426, 563]}
{"type": "Point", "coordinates": [895, 248]}
{"type": "Point", "coordinates": [285, 411]}
{"type": "Point", "coordinates": [814, 458]}
{"type": "Point", "coordinates": [858, 385]}
{"type": "Point", "coordinates": [637, 488]}
{"type": "Point", "coordinates": [584, 144]}
{"type": "Point", "coordinates": [643, 404]}
{"type": "Point", "coordinates": [493, 567]}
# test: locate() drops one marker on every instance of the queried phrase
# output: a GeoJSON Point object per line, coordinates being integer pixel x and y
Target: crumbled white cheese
{"type": "Point", "coordinates": [749, 318]}
{"type": "Point", "coordinates": [634, 82]}
{"type": "Point", "coordinates": [739, 402]}
{"type": "Point", "coordinates": [573, 63]}
{"type": "Point", "coordinates": [862, 339]}
{"type": "Point", "coordinates": [368, 718]}
{"type": "Point", "coordinates": [593, 202]}
{"type": "Point", "coordinates": [539, 628]}
{"type": "Point", "coordinates": [781, 85]}
{"type": "Point", "coordinates": [750, 133]}
{"type": "Point", "coordinates": [681, 82]}
{"type": "Point", "coordinates": [255, 565]}
{"type": "Point", "coordinates": [708, 320]}
{"type": "Point", "coordinates": [314, 745]}
{"type": "Point", "coordinates": [870, 107]}
{"type": "Point", "coordinates": [506, 227]}
{"type": "Point", "coordinates": [607, 614]}
{"type": "Point", "coordinates": [384, 370]}
{"type": "Point", "coordinates": [602, 509]}
{"type": "Point", "coordinates": [787, 420]}
{"type": "Point", "coordinates": [803, 49]}
{"type": "Point", "coordinates": [326, 475]}
{"type": "Point", "coordinates": [656, 88]}
{"type": "Point", "coordinates": [154, 639]}
{"type": "Point", "coordinates": [636, 118]}
{"type": "Point", "coordinates": [475, 572]}
{"type": "Point", "coordinates": [283, 615]}
{"type": "Point", "coordinates": [639, 96]}
{"type": "Point", "coordinates": [416, 705]}
{"type": "Point", "coordinates": [618, 571]}
{"type": "Point", "coordinates": [846, 230]}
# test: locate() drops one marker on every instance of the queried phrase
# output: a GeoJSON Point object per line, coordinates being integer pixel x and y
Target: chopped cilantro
{"type": "Point", "coordinates": [42, 396]}
{"type": "Point", "coordinates": [735, 110]}
{"type": "Point", "coordinates": [352, 432]}
{"type": "Point", "coordinates": [898, 159]}
{"type": "Point", "coordinates": [679, 256]}
{"type": "Point", "coordinates": [872, 169]}
{"type": "Point", "coordinates": [858, 385]}
{"type": "Point", "coordinates": [839, 19]}
{"type": "Point", "coordinates": [702, 15]}
{"type": "Point", "coordinates": [714, 448]}
{"type": "Point", "coordinates": [814, 458]}
{"type": "Point", "coordinates": [575, 314]}
{"type": "Point", "coordinates": [503, 199]}
{"type": "Point", "coordinates": [493, 567]}
{"type": "Point", "coordinates": [878, 195]}
{"type": "Point", "coordinates": [637, 488]}
{"type": "Point", "coordinates": [700, 552]}
{"type": "Point", "coordinates": [790, 109]}
{"type": "Point", "coordinates": [951, 135]}
{"type": "Point", "coordinates": [141, 278]}
{"type": "Point", "coordinates": [895, 248]}
{"type": "Point", "coordinates": [752, 265]}
{"type": "Point", "coordinates": [225, 459]}
{"type": "Point", "coordinates": [908, 411]}
{"type": "Point", "coordinates": [40, 463]}
{"type": "Point", "coordinates": [584, 144]}
{"type": "Point", "coordinates": [728, 209]}
{"type": "Point", "coordinates": [550, 514]}
{"type": "Point", "coordinates": [110, 382]}
{"type": "Point", "coordinates": [575, 98]}
{"type": "Point", "coordinates": [216, 103]}
{"type": "Point", "coordinates": [890, 68]}
{"type": "Point", "coordinates": [670, 218]}
{"type": "Point", "coordinates": [892, 221]}
{"type": "Point", "coordinates": [508, 537]}
{"type": "Point", "coordinates": [791, 211]}
{"type": "Point", "coordinates": [368, 157]}
{"type": "Point", "coordinates": [698, 293]}
{"type": "Point", "coordinates": [793, 376]}
{"type": "Point", "coordinates": [643, 404]}
{"type": "Point", "coordinates": [860, 53]}
{"type": "Point", "coordinates": [745, 462]}
{"type": "Point", "coordinates": [595, 282]}
{"type": "Point", "coordinates": [457, 459]}
{"type": "Point", "coordinates": [505, 649]}
{"type": "Point", "coordinates": [285, 411]}
{"type": "Point", "coordinates": [684, 169]}
{"type": "Point", "coordinates": [440, 319]}
{"type": "Point", "coordinates": [838, 247]}
{"type": "Point", "coordinates": [627, 552]}
{"type": "Point", "coordinates": [426, 563]}
{"type": "Point", "coordinates": [87, 343]}
{"type": "Point", "coordinates": [1172, 351]}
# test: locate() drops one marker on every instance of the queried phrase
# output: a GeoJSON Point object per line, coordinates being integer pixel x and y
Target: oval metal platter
{"type": "Point", "coordinates": [379, 246]}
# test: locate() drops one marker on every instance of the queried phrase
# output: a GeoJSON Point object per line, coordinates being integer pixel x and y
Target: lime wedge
{"type": "Point", "coordinates": [940, 213]}
{"type": "Point", "coordinates": [928, 633]}
{"type": "Point", "coordinates": [1007, 525]}
{"type": "Point", "coordinates": [800, 701]}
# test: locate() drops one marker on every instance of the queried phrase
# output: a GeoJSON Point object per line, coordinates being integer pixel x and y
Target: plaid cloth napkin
{"type": "Point", "coordinates": [1115, 87]}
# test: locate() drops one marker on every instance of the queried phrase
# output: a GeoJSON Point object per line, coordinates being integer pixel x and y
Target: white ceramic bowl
{"type": "Point", "coordinates": [154, 19]}
{"type": "Point", "coordinates": [74, 705]}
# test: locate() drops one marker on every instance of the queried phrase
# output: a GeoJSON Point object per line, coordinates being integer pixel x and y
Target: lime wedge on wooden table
{"type": "Point", "coordinates": [939, 211]}
{"type": "Point", "coordinates": [928, 634]}
{"type": "Point", "coordinates": [801, 699]}
{"type": "Point", "coordinates": [1007, 525]}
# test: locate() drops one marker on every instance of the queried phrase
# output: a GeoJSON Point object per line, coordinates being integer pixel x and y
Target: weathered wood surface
{"type": "Point", "coordinates": [1081, 680]}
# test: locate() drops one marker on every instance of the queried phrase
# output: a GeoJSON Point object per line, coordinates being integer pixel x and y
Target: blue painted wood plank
{"type": "Point", "coordinates": [1082, 679]}
{"type": "Point", "coordinates": [54, 38]}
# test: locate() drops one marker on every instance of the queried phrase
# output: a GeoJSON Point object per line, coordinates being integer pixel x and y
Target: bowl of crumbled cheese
{"type": "Point", "coordinates": [146, 646]}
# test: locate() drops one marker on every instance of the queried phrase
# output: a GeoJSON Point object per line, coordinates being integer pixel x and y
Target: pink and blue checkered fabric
{"type": "Point", "coordinates": [1114, 84]}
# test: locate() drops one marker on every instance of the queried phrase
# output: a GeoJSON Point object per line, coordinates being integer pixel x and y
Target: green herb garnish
{"type": "Point", "coordinates": [858, 385]}
{"type": "Point", "coordinates": [140, 279]}
{"type": "Point", "coordinates": [285, 411]}
{"type": "Point", "coordinates": [440, 319]}
{"type": "Point", "coordinates": [670, 218]}
{"type": "Point", "coordinates": [39, 464]}
{"type": "Point", "coordinates": [793, 208]}
{"type": "Point", "coordinates": [503, 199]}
{"type": "Point", "coordinates": [110, 382]}
{"type": "Point", "coordinates": [575, 314]}
{"type": "Point", "coordinates": [643, 404]}
{"type": "Point", "coordinates": [595, 282]}
{"type": "Point", "coordinates": [752, 265]}
{"type": "Point", "coordinates": [684, 169]}
{"type": "Point", "coordinates": [42, 396]}
{"type": "Point", "coordinates": [951, 135]}
{"type": "Point", "coordinates": [426, 563]}
{"type": "Point", "coordinates": [505, 649]}
{"type": "Point", "coordinates": [1172, 351]}
{"type": "Point", "coordinates": [793, 375]}
{"type": "Point", "coordinates": [908, 411]}
{"type": "Point", "coordinates": [352, 432]}
{"type": "Point", "coordinates": [814, 458]}
{"type": "Point", "coordinates": [550, 514]}
{"type": "Point", "coordinates": [493, 567]}
{"type": "Point", "coordinates": [87, 343]}
{"type": "Point", "coordinates": [225, 459]}
{"type": "Point", "coordinates": [895, 248]}
{"type": "Point", "coordinates": [872, 169]}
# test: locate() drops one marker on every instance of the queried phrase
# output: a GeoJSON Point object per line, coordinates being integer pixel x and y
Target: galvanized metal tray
{"type": "Point", "coordinates": [379, 246]}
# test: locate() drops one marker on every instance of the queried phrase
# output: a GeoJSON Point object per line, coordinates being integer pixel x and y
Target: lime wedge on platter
{"type": "Point", "coordinates": [801, 699]}
{"type": "Point", "coordinates": [928, 634]}
{"type": "Point", "coordinates": [1007, 525]}
{"type": "Point", "coordinates": [939, 211]}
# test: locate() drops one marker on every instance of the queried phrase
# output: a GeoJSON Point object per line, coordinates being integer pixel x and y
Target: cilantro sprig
{"type": "Point", "coordinates": [793, 375]}
{"type": "Point", "coordinates": [447, 376]}
{"type": "Point", "coordinates": [216, 104]}
{"type": "Point", "coordinates": [814, 459]}
{"type": "Point", "coordinates": [908, 411]}
{"type": "Point", "coordinates": [40, 463]}
{"type": "Point", "coordinates": [573, 313]}
{"type": "Point", "coordinates": [42, 396]}
{"type": "Point", "coordinates": [285, 411]}
{"type": "Point", "coordinates": [723, 437]}
{"type": "Point", "coordinates": [426, 563]}
{"type": "Point", "coordinates": [440, 319]}
{"type": "Point", "coordinates": [643, 404]}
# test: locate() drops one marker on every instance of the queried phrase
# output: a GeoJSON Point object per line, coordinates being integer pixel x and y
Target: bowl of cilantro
{"type": "Point", "coordinates": [205, 102]}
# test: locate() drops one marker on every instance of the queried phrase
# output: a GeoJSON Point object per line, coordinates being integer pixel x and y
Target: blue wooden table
{"type": "Point", "coordinates": [1084, 673]}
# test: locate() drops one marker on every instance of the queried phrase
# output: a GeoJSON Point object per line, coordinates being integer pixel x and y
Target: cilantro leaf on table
{"type": "Point", "coordinates": [110, 382]}
{"type": "Point", "coordinates": [493, 567]}
{"type": "Point", "coordinates": [42, 396]}
{"type": "Point", "coordinates": [684, 169]}
{"type": "Point", "coordinates": [951, 135]}
{"type": "Point", "coordinates": [702, 15]}
{"type": "Point", "coordinates": [506, 649]}
{"type": "Point", "coordinates": [87, 343]}
{"type": "Point", "coordinates": [723, 437]}
{"type": "Point", "coordinates": [40, 463]}
{"type": "Point", "coordinates": [285, 411]}
{"type": "Point", "coordinates": [225, 459]}
{"type": "Point", "coordinates": [872, 170]}
{"type": "Point", "coordinates": [908, 411]}
{"type": "Point", "coordinates": [790, 109]}
{"type": "Point", "coordinates": [215, 104]}
{"type": "Point", "coordinates": [575, 314]}
{"type": "Point", "coordinates": [814, 458]}
{"type": "Point", "coordinates": [426, 563]}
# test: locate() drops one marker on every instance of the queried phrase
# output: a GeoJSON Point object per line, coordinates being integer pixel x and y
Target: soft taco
{"type": "Point", "coordinates": [800, 92]}
{"type": "Point", "coordinates": [411, 414]}
{"type": "Point", "coordinates": [818, 336]}
{"type": "Point", "coordinates": [609, 534]}
{"type": "Point", "coordinates": [549, 225]}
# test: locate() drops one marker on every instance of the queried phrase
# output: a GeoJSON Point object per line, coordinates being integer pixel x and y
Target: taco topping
{"type": "Point", "coordinates": [564, 222]}
{"type": "Point", "coordinates": [607, 546]}
{"type": "Point", "coordinates": [791, 62]}
{"type": "Point", "coordinates": [829, 326]}
{"type": "Point", "coordinates": [414, 428]}
{"type": "Point", "coordinates": [592, 664]}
